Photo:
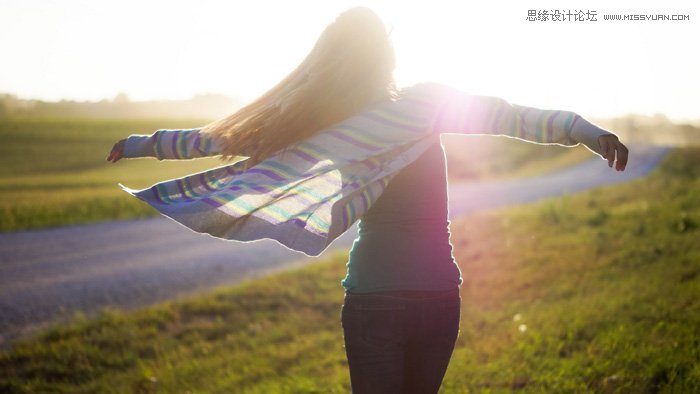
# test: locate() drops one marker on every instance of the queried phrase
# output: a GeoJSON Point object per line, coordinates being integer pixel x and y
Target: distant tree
{"type": "Point", "coordinates": [121, 98]}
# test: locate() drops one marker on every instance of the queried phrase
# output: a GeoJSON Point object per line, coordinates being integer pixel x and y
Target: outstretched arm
{"type": "Point", "coordinates": [471, 114]}
{"type": "Point", "coordinates": [165, 144]}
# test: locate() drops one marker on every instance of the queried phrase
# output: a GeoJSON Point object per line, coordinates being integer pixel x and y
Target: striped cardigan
{"type": "Point", "coordinates": [309, 194]}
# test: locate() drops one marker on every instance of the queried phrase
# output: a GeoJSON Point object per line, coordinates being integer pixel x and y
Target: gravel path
{"type": "Point", "coordinates": [47, 275]}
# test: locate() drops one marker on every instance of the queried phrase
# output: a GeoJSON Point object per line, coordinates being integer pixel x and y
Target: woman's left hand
{"type": "Point", "coordinates": [611, 148]}
{"type": "Point", "coordinates": [117, 151]}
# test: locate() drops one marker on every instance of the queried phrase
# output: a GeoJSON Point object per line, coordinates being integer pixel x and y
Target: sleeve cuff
{"type": "Point", "coordinates": [587, 133]}
{"type": "Point", "coordinates": [138, 146]}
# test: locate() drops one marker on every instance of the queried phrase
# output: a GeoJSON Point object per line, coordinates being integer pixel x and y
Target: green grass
{"type": "Point", "coordinates": [53, 171]}
{"type": "Point", "coordinates": [605, 282]}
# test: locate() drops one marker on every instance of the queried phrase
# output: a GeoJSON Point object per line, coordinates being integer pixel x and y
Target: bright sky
{"type": "Point", "coordinates": [92, 49]}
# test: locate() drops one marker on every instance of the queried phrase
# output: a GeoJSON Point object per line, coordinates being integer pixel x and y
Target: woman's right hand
{"type": "Point", "coordinates": [614, 151]}
{"type": "Point", "coordinates": [117, 151]}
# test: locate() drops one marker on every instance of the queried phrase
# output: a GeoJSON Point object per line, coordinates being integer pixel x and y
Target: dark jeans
{"type": "Point", "coordinates": [399, 342]}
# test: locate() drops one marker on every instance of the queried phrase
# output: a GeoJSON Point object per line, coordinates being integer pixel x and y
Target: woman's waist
{"type": "Point", "coordinates": [408, 225]}
{"type": "Point", "coordinates": [409, 293]}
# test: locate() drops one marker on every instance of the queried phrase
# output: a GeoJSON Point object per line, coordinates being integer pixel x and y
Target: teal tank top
{"type": "Point", "coordinates": [403, 240]}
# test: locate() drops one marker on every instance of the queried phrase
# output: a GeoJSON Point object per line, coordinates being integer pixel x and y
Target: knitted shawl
{"type": "Point", "coordinates": [309, 194]}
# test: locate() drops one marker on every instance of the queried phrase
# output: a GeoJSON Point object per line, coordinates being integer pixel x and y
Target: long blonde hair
{"type": "Point", "coordinates": [350, 67]}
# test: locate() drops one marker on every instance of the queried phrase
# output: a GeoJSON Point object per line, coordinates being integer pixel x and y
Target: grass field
{"type": "Point", "coordinates": [53, 171]}
{"type": "Point", "coordinates": [595, 292]}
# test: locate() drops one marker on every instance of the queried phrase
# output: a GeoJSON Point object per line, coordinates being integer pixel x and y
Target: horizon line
{"type": "Point", "coordinates": [116, 99]}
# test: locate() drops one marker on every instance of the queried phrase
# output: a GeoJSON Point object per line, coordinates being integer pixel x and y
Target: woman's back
{"type": "Point", "coordinates": [404, 239]}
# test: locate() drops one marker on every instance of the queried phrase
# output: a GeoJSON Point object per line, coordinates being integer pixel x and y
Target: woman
{"type": "Point", "coordinates": [333, 142]}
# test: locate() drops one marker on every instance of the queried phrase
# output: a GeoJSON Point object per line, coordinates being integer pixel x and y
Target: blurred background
{"type": "Point", "coordinates": [592, 292]}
